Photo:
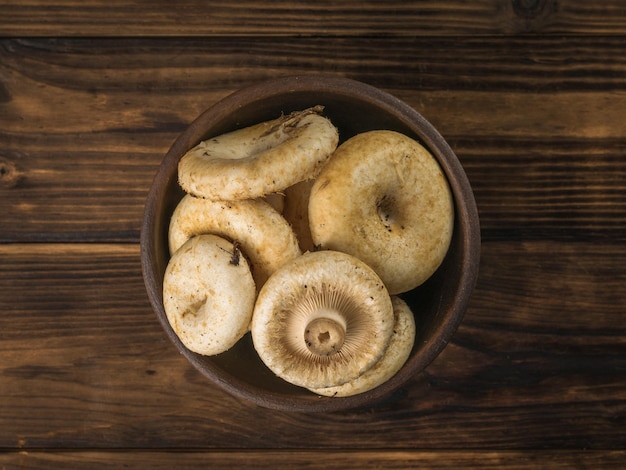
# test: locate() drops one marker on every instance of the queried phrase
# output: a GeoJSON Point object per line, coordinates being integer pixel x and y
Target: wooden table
{"type": "Point", "coordinates": [531, 94]}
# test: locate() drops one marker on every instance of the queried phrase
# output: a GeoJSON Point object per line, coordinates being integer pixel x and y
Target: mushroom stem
{"type": "Point", "coordinates": [324, 336]}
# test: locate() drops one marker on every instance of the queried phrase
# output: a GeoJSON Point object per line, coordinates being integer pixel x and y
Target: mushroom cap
{"type": "Point", "coordinates": [296, 212]}
{"type": "Point", "coordinates": [383, 198]}
{"type": "Point", "coordinates": [260, 159]}
{"type": "Point", "coordinates": [395, 356]}
{"type": "Point", "coordinates": [208, 294]}
{"type": "Point", "coordinates": [322, 320]}
{"type": "Point", "coordinates": [264, 236]}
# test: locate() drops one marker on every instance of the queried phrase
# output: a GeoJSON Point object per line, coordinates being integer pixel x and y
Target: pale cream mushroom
{"type": "Point", "coordinates": [260, 159]}
{"type": "Point", "coordinates": [263, 235]}
{"type": "Point", "coordinates": [322, 320]}
{"type": "Point", "coordinates": [383, 198]}
{"type": "Point", "coordinates": [296, 212]}
{"type": "Point", "coordinates": [208, 294]}
{"type": "Point", "coordinates": [395, 356]}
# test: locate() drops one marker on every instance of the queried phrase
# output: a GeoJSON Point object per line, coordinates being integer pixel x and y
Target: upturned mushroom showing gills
{"type": "Point", "coordinates": [392, 361]}
{"type": "Point", "coordinates": [322, 320]}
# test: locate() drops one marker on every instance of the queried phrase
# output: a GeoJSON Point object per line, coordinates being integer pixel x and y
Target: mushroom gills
{"type": "Point", "coordinates": [324, 318]}
{"type": "Point", "coordinates": [396, 355]}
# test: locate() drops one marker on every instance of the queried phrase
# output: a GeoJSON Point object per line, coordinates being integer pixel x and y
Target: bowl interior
{"type": "Point", "coordinates": [353, 107]}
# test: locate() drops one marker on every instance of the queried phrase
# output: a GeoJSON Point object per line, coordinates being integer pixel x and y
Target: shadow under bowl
{"type": "Point", "coordinates": [353, 107]}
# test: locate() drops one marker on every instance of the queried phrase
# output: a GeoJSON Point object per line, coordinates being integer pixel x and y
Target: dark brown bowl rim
{"type": "Point", "coordinates": [466, 213]}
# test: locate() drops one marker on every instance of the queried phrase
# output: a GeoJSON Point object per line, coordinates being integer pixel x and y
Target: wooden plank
{"type": "Point", "coordinates": [562, 188]}
{"type": "Point", "coordinates": [84, 124]}
{"type": "Point", "coordinates": [316, 460]}
{"type": "Point", "coordinates": [537, 363]}
{"type": "Point", "coordinates": [525, 189]}
{"type": "Point", "coordinates": [201, 65]}
{"type": "Point", "coordinates": [297, 18]}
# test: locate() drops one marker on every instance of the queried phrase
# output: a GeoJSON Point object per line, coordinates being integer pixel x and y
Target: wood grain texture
{"type": "Point", "coordinates": [538, 363]}
{"type": "Point", "coordinates": [542, 139]}
{"type": "Point", "coordinates": [298, 18]}
{"type": "Point", "coordinates": [400, 460]}
{"type": "Point", "coordinates": [531, 95]}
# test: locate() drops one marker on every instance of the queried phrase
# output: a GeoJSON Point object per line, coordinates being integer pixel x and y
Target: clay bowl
{"type": "Point", "coordinates": [353, 107]}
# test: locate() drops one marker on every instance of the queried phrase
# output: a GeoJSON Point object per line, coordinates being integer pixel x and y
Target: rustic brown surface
{"type": "Point", "coordinates": [301, 17]}
{"type": "Point", "coordinates": [531, 94]}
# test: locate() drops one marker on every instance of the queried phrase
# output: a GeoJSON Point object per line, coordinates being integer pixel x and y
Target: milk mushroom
{"type": "Point", "coordinates": [383, 198]}
{"type": "Point", "coordinates": [261, 159]}
{"type": "Point", "coordinates": [395, 356]}
{"type": "Point", "coordinates": [296, 212]}
{"type": "Point", "coordinates": [263, 235]}
{"type": "Point", "coordinates": [208, 294]}
{"type": "Point", "coordinates": [322, 320]}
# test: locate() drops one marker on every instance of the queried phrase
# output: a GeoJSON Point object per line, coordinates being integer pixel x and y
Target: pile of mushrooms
{"type": "Point", "coordinates": [306, 244]}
